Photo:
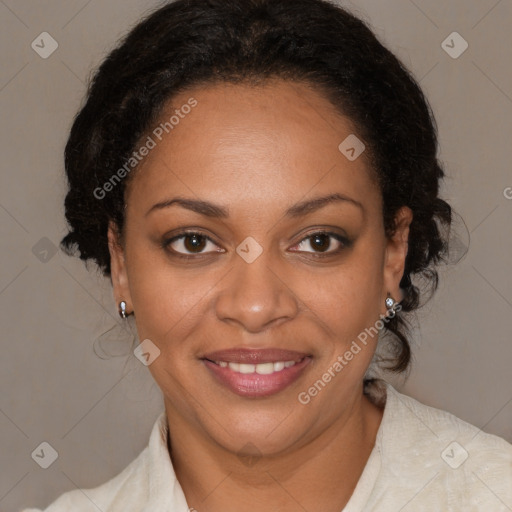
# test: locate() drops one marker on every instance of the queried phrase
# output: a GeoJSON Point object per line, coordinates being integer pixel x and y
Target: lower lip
{"type": "Point", "coordinates": [254, 384]}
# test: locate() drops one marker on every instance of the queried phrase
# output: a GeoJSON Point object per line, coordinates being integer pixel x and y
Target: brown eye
{"type": "Point", "coordinates": [190, 243]}
{"type": "Point", "coordinates": [194, 243]}
{"type": "Point", "coordinates": [321, 243]}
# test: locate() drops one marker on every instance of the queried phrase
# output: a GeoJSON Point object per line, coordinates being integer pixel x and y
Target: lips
{"type": "Point", "coordinates": [256, 372]}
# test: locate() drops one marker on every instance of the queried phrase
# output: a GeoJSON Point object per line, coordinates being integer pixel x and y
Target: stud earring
{"type": "Point", "coordinates": [390, 302]}
{"type": "Point", "coordinates": [391, 305]}
{"type": "Point", "coordinates": [122, 309]}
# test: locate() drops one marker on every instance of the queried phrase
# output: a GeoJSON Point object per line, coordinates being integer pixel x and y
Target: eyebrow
{"type": "Point", "coordinates": [209, 209]}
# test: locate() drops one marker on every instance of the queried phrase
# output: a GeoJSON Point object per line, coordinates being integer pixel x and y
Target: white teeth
{"type": "Point", "coordinates": [265, 368]}
{"type": "Point", "coordinates": [247, 368]}
{"type": "Point", "coordinates": [261, 368]}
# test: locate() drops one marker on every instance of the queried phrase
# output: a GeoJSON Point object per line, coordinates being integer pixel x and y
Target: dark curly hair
{"type": "Point", "coordinates": [196, 42]}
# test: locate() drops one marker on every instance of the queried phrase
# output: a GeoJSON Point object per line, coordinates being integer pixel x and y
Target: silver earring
{"type": "Point", "coordinates": [122, 309]}
{"type": "Point", "coordinates": [390, 302]}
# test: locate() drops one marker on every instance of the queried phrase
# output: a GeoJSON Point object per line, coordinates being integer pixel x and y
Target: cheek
{"type": "Point", "coordinates": [348, 298]}
{"type": "Point", "coordinates": [348, 303]}
{"type": "Point", "coordinates": [164, 296]}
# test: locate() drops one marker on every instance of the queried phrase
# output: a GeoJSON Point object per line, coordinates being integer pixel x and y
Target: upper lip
{"type": "Point", "coordinates": [254, 356]}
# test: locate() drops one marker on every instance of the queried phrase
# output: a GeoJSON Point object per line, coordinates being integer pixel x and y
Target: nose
{"type": "Point", "coordinates": [256, 295]}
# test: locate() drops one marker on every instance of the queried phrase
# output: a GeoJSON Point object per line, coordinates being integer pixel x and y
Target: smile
{"type": "Point", "coordinates": [256, 373]}
{"type": "Point", "coordinates": [261, 368]}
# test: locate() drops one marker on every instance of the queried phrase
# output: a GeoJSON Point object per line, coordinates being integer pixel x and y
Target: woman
{"type": "Point", "coordinates": [259, 180]}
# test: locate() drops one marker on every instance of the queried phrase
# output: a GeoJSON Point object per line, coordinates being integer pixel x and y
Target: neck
{"type": "Point", "coordinates": [319, 475]}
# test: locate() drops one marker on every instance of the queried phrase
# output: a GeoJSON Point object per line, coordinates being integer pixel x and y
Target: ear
{"type": "Point", "coordinates": [118, 267]}
{"type": "Point", "coordinates": [396, 252]}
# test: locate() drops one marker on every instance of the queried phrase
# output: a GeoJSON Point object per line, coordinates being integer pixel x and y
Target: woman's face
{"type": "Point", "coordinates": [274, 273]}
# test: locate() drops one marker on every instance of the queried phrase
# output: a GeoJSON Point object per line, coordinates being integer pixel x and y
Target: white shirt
{"type": "Point", "coordinates": [424, 459]}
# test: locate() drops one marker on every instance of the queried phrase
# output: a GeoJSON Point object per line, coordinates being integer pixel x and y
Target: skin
{"type": "Point", "coordinates": [258, 150]}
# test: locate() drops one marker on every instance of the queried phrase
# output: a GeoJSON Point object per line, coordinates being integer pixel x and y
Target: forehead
{"type": "Point", "coordinates": [260, 145]}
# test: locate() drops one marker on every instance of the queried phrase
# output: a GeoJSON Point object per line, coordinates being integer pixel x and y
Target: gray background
{"type": "Point", "coordinates": [97, 412]}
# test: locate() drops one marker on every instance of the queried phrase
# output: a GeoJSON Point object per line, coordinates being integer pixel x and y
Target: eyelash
{"type": "Point", "coordinates": [345, 244]}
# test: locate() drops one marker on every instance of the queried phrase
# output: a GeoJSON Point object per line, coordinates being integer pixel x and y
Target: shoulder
{"type": "Point", "coordinates": [110, 496]}
{"type": "Point", "coordinates": [126, 491]}
{"type": "Point", "coordinates": [436, 425]}
{"type": "Point", "coordinates": [430, 455]}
